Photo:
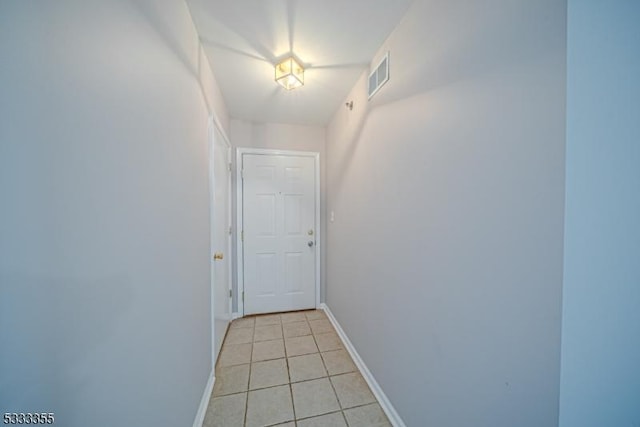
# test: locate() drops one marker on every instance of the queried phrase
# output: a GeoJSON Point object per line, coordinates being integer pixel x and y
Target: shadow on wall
{"type": "Point", "coordinates": [291, 6]}
{"type": "Point", "coordinates": [469, 53]}
{"type": "Point", "coordinates": [217, 45]}
{"type": "Point", "coordinates": [190, 53]}
{"type": "Point", "coordinates": [249, 35]}
{"type": "Point", "coordinates": [476, 48]}
{"type": "Point", "coordinates": [187, 55]}
{"type": "Point", "coordinates": [66, 322]}
{"type": "Point", "coordinates": [263, 44]}
{"type": "Point", "coordinates": [263, 54]}
{"type": "Point", "coordinates": [355, 122]}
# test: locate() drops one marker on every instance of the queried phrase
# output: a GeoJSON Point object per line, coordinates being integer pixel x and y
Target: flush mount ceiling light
{"type": "Point", "coordinates": [290, 74]}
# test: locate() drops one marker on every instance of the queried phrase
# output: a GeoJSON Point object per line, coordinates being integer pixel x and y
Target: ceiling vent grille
{"type": "Point", "coordinates": [379, 76]}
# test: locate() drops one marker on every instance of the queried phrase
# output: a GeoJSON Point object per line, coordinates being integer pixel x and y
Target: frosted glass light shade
{"type": "Point", "coordinates": [290, 74]}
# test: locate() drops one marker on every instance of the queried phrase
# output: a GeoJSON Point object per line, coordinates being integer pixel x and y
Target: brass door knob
{"type": "Point", "coordinates": [218, 255]}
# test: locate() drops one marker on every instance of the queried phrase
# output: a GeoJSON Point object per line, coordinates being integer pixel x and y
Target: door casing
{"type": "Point", "coordinates": [239, 207]}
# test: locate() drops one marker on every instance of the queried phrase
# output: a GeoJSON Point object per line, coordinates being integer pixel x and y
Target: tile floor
{"type": "Point", "coordinates": [288, 370]}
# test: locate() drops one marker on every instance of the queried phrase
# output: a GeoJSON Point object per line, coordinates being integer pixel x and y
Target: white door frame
{"type": "Point", "coordinates": [215, 123]}
{"type": "Point", "coordinates": [240, 244]}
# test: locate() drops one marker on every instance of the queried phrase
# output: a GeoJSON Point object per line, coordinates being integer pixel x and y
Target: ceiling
{"type": "Point", "coordinates": [334, 39]}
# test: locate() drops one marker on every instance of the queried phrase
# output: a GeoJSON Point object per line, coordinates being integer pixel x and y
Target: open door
{"type": "Point", "coordinates": [220, 236]}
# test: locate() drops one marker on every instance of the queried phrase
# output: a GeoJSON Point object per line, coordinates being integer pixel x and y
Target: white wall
{"type": "Point", "coordinates": [445, 257]}
{"type": "Point", "coordinates": [104, 225]}
{"type": "Point", "coordinates": [600, 381]}
{"type": "Point", "coordinates": [277, 136]}
{"type": "Point", "coordinates": [212, 93]}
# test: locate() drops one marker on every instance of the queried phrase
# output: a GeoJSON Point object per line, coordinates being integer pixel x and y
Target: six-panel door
{"type": "Point", "coordinates": [279, 232]}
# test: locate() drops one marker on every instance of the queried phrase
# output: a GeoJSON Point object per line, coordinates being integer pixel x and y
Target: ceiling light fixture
{"type": "Point", "coordinates": [290, 74]}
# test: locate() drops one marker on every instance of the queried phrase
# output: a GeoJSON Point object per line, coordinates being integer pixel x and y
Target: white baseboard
{"type": "Point", "coordinates": [235, 316]}
{"type": "Point", "coordinates": [204, 402]}
{"type": "Point", "coordinates": [386, 405]}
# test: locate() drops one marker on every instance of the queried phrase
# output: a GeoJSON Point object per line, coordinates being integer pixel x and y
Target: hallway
{"type": "Point", "coordinates": [274, 369]}
{"type": "Point", "coordinates": [473, 234]}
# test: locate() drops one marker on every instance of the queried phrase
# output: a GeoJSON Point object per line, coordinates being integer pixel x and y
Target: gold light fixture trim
{"type": "Point", "coordinates": [290, 74]}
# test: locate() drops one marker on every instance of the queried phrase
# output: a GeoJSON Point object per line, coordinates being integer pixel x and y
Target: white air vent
{"type": "Point", "coordinates": [379, 76]}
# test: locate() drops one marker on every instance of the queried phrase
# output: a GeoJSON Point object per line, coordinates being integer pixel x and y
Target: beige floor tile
{"type": "Point", "coordinates": [296, 316]}
{"type": "Point", "coordinates": [268, 374]}
{"type": "Point", "coordinates": [269, 406]}
{"type": "Point", "coordinates": [235, 354]}
{"type": "Point", "coordinates": [315, 314]}
{"type": "Point", "coordinates": [329, 420]}
{"type": "Point", "coordinates": [226, 411]}
{"type": "Point", "coordinates": [267, 350]}
{"type": "Point", "coordinates": [245, 322]}
{"type": "Point", "coordinates": [320, 326]}
{"type": "Point", "coordinates": [267, 333]}
{"type": "Point", "coordinates": [307, 367]}
{"type": "Point", "coordinates": [270, 401]}
{"type": "Point", "coordinates": [268, 319]}
{"type": "Point", "coordinates": [315, 397]}
{"type": "Point", "coordinates": [298, 346]}
{"type": "Point", "coordinates": [328, 341]}
{"type": "Point", "coordinates": [231, 379]}
{"type": "Point", "coordinates": [366, 416]}
{"type": "Point", "coordinates": [239, 336]}
{"type": "Point", "coordinates": [338, 362]}
{"type": "Point", "coordinates": [296, 329]}
{"type": "Point", "coordinates": [352, 390]}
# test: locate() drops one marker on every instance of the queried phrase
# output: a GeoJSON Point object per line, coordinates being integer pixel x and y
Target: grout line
{"type": "Point", "coordinates": [286, 361]}
{"type": "Point", "coordinates": [339, 411]}
{"type": "Point", "coordinates": [379, 397]}
{"type": "Point", "coordinates": [231, 394]}
{"type": "Point", "coordinates": [328, 375]}
{"type": "Point", "coordinates": [246, 403]}
{"type": "Point", "coordinates": [344, 417]}
{"type": "Point", "coordinates": [290, 383]}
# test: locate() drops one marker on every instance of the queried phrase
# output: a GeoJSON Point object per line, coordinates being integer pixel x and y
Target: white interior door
{"type": "Point", "coordinates": [221, 239]}
{"type": "Point", "coordinates": [279, 217]}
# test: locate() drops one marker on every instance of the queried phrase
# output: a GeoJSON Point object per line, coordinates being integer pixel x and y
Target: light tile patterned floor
{"type": "Point", "coordinates": [289, 370]}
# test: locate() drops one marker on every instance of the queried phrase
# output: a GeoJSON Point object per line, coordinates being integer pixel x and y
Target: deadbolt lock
{"type": "Point", "coordinates": [310, 232]}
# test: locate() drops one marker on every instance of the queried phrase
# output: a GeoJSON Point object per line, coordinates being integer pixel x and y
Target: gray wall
{"type": "Point", "coordinates": [445, 256]}
{"type": "Point", "coordinates": [278, 136]}
{"type": "Point", "coordinates": [104, 225]}
{"type": "Point", "coordinates": [600, 381]}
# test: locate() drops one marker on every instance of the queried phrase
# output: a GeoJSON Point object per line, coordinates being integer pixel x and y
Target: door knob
{"type": "Point", "coordinates": [218, 255]}
{"type": "Point", "coordinates": [310, 243]}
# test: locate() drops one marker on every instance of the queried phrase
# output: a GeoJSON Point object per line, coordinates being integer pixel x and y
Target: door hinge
{"type": "Point", "coordinates": [230, 231]}
{"type": "Point", "coordinates": [229, 167]}
{"type": "Point", "coordinates": [242, 236]}
{"type": "Point", "coordinates": [242, 174]}
{"type": "Point", "coordinates": [242, 296]}
{"type": "Point", "coordinates": [230, 293]}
